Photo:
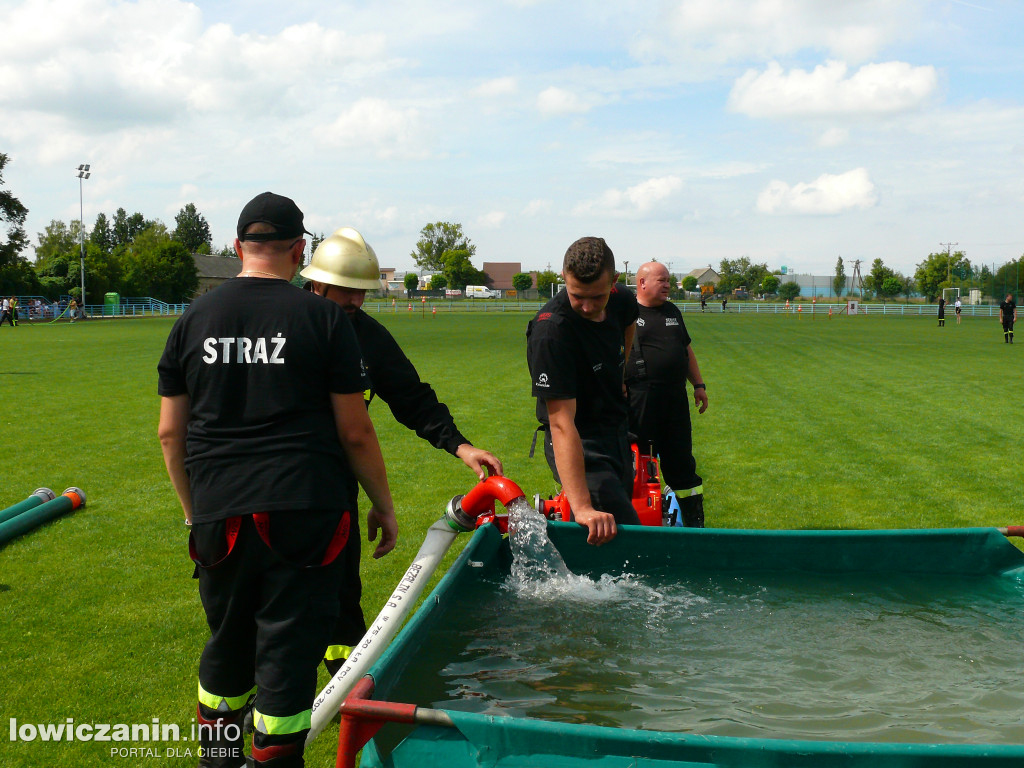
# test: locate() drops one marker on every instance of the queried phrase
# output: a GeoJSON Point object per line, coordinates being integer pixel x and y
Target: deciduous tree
{"type": "Point", "coordinates": [522, 281]}
{"type": "Point", "coordinates": [102, 234]}
{"type": "Point", "coordinates": [789, 291]}
{"type": "Point", "coordinates": [839, 281]}
{"type": "Point", "coordinates": [192, 230]}
{"type": "Point", "coordinates": [545, 280]}
{"type": "Point", "coordinates": [16, 274]}
{"type": "Point", "coordinates": [436, 240]}
{"type": "Point", "coordinates": [934, 273]}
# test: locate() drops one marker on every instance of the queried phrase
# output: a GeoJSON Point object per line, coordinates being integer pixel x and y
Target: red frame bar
{"type": "Point", "coordinates": [362, 717]}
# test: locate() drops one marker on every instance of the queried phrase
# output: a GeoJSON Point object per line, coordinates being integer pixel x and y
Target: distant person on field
{"type": "Point", "coordinates": [5, 312]}
{"type": "Point", "coordinates": [1008, 316]}
{"type": "Point", "coordinates": [576, 347]}
{"type": "Point", "coordinates": [725, 300]}
{"type": "Point", "coordinates": [942, 311]}
{"type": "Point", "coordinates": [957, 307]}
{"type": "Point", "coordinates": [659, 365]}
{"type": "Point", "coordinates": [343, 268]}
{"type": "Point", "coordinates": [703, 303]}
{"type": "Point", "coordinates": [73, 310]}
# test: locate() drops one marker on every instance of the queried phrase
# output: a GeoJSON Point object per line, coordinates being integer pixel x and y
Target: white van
{"type": "Point", "coordinates": [481, 292]}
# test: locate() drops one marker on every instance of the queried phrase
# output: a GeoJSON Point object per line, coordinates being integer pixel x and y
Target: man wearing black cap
{"type": "Point", "coordinates": [262, 425]}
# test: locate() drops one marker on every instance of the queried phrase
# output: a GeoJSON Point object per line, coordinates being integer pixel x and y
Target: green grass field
{"type": "Point", "coordinates": [851, 422]}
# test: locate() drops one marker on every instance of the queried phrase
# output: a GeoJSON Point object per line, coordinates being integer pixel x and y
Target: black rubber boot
{"type": "Point", "coordinates": [692, 509]}
{"type": "Point", "coordinates": [278, 751]}
{"type": "Point", "coordinates": [221, 743]}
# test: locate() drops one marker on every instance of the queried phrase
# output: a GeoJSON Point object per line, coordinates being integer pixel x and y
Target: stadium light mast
{"type": "Point", "coordinates": [83, 173]}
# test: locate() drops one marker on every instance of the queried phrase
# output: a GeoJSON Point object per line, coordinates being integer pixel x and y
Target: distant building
{"type": "Point", "coordinates": [387, 276]}
{"type": "Point", "coordinates": [214, 270]}
{"type": "Point", "coordinates": [501, 273]}
{"type": "Point", "coordinates": [705, 276]}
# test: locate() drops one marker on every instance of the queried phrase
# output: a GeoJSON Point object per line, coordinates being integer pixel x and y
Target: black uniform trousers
{"type": "Point", "coordinates": [270, 610]}
{"type": "Point", "coordinates": [350, 625]}
{"type": "Point", "coordinates": [660, 417]}
{"type": "Point", "coordinates": [608, 464]}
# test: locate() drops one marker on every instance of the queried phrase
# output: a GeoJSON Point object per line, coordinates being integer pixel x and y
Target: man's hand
{"type": "Point", "coordinates": [600, 524]}
{"type": "Point", "coordinates": [700, 399]}
{"type": "Point", "coordinates": [479, 460]}
{"type": "Point", "coordinates": [388, 525]}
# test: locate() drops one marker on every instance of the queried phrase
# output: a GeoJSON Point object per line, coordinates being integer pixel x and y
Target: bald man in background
{"type": "Point", "coordinates": [659, 365]}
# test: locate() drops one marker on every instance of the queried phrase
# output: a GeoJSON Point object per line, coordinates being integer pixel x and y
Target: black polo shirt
{"type": "Point", "coordinates": [661, 341]}
{"type": "Point", "coordinates": [259, 359]}
{"type": "Point", "coordinates": [574, 358]}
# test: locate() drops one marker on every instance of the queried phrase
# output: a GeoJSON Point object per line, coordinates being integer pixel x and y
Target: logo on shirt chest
{"type": "Point", "coordinates": [671, 321]}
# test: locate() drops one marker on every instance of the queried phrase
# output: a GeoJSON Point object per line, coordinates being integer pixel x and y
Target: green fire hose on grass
{"type": "Point", "coordinates": [33, 517]}
{"type": "Point", "coordinates": [39, 496]}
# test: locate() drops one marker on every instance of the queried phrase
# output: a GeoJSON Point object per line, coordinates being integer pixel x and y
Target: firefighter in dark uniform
{"type": "Point", "coordinates": [343, 268]}
{"type": "Point", "coordinates": [660, 364]}
{"type": "Point", "coordinates": [264, 435]}
{"type": "Point", "coordinates": [1008, 316]}
{"type": "Point", "coordinates": [576, 347]}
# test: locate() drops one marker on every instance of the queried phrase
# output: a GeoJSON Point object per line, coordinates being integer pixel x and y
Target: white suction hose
{"type": "Point", "coordinates": [437, 541]}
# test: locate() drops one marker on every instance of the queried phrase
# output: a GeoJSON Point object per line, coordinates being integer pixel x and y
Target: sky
{"type": "Point", "coordinates": [791, 132]}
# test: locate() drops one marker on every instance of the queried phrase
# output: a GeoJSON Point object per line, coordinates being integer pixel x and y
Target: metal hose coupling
{"type": "Point", "coordinates": [462, 511]}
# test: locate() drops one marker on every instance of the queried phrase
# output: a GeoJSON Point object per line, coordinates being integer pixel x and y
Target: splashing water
{"type": "Point", "coordinates": [534, 557]}
{"type": "Point", "coordinates": [539, 572]}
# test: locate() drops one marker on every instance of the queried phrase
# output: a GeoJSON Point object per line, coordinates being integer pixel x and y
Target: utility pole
{"type": "Point", "coordinates": [949, 264]}
{"type": "Point", "coordinates": [856, 279]}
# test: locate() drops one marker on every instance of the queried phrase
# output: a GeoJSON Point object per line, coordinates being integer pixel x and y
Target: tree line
{"type": "Point", "coordinates": [135, 256]}
{"type": "Point", "coordinates": [125, 253]}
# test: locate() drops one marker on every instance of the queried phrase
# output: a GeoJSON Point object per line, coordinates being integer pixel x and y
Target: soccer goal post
{"type": "Point", "coordinates": [951, 295]}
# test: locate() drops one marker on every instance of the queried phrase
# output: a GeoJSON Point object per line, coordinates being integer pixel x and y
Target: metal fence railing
{"type": "Point", "coordinates": [149, 307]}
{"type": "Point", "coordinates": [738, 307]}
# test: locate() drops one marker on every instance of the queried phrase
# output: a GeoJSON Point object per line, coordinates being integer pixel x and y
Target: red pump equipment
{"type": "Point", "coordinates": [647, 494]}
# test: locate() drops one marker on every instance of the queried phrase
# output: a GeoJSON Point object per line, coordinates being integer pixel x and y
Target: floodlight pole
{"type": "Point", "coordinates": [83, 173]}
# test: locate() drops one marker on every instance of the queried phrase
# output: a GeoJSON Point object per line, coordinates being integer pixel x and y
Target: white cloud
{"type": "Point", "coordinates": [558, 101]}
{"type": "Point", "coordinates": [633, 201]}
{"type": "Point", "coordinates": [828, 194]}
{"type": "Point", "coordinates": [374, 123]}
{"type": "Point", "coordinates": [833, 137]}
{"type": "Point", "coordinates": [537, 207]}
{"type": "Point", "coordinates": [113, 64]}
{"type": "Point", "coordinates": [491, 220]}
{"type": "Point", "coordinates": [894, 86]}
{"type": "Point", "coordinates": [499, 86]}
{"type": "Point", "coordinates": [717, 31]}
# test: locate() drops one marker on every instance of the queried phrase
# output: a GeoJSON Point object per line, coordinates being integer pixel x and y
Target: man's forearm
{"type": "Point", "coordinates": [172, 431]}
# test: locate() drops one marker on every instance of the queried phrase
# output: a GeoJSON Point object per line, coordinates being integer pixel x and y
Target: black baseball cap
{"type": "Point", "coordinates": [280, 212]}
